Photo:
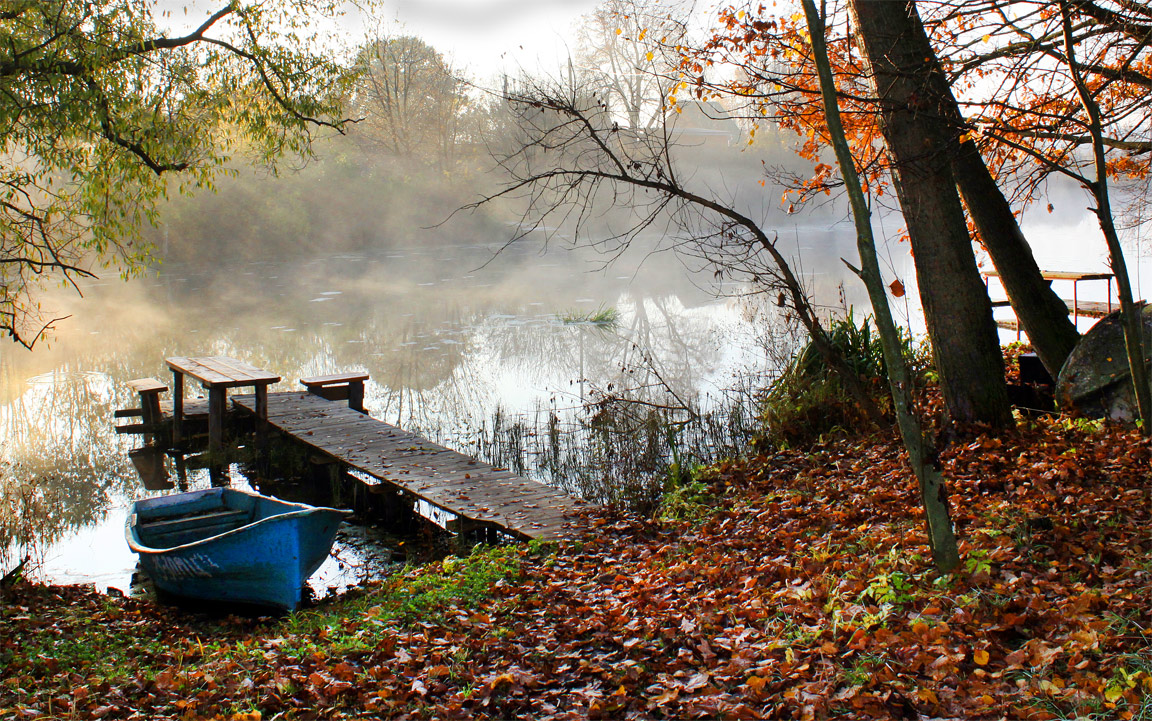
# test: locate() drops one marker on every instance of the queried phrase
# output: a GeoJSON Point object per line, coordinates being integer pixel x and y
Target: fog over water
{"type": "Point", "coordinates": [335, 269]}
{"type": "Point", "coordinates": [450, 335]}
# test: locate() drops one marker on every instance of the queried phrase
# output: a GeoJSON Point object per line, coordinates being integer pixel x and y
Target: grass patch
{"type": "Point", "coordinates": [809, 401]}
{"type": "Point", "coordinates": [601, 318]}
{"type": "Point", "coordinates": [415, 595]}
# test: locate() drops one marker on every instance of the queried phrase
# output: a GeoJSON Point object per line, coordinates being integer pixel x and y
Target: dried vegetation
{"type": "Point", "coordinates": [791, 585]}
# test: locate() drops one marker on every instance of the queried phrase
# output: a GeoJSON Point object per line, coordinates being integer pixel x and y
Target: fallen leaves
{"type": "Point", "coordinates": [804, 595]}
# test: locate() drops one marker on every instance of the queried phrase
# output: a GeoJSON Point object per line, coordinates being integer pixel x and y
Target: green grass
{"type": "Point", "coordinates": [78, 642]}
{"type": "Point", "coordinates": [601, 317]}
{"type": "Point", "coordinates": [410, 596]}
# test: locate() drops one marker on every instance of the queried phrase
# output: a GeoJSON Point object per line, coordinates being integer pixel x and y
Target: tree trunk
{"type": "Point", "coordinates": [956, 307]}
{"type": "Point", "coordinates": [1042, 315]}
{"type": "Point", "coordinates": [921, 454]}
{"type": "Point", "coordinates": [1130, 311]}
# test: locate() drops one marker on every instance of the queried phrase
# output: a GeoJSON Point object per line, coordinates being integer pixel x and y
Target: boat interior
{"type": "Point", "coordinates": [170, 526]}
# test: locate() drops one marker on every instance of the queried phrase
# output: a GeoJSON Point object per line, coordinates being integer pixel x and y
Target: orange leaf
{"type": "Point", "coordinates": [344, 671]}
{"type": "Point", "coordinates": [897, 288]}
{"type": "Point", "coordinates": [980, 656]}
{"type": "Point", "coordinates": [318, 680]}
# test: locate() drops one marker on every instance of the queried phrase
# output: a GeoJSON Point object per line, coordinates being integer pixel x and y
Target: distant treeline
{"type": "Point", "coordinates": [421, 149]}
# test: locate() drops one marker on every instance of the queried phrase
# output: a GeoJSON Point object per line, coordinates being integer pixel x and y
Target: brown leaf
{"type": "Point", "coordinates": [437, 671]}
{"type": "Point", "coordinates": [698, 681]}
{"type": "Point", "coordinates": [669, 695]}
{"type": "Point", "coordinates": [318, 680]}
{"type": "Point", "coordinates": [165, 680]}
{"type": "Point", "coordinates": [343, 671]}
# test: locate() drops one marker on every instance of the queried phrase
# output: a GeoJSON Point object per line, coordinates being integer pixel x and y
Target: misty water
{"type": "Point", "coordinates": [463, 341]}
{"type": "Point", "coordinates": [460, 341]}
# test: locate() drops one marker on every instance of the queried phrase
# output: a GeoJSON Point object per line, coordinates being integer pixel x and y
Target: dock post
{"type": "Point", "coordinates": [216, 403]}
{"type": "Point", "coordinates": [177, 408]}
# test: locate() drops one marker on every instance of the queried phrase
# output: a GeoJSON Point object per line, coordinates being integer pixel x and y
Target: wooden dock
{"type": "Point", "coordinates": [480, 495]}
{"type": "Point", "coordinates": [1076, 308]}
{"type": "Point", "coordinates": [1082, 309]}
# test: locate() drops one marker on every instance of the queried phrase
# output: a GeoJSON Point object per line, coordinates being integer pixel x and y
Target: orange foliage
{"type": "Point", "coordinates": [1005, 61]}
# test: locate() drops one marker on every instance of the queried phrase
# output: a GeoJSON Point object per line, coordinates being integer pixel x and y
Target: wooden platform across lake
{"type": "Point", "coordinates": [1083, 308]}
{"type": "Point", "coordinates": [480, 494]}
{"type": "Point", "coordinates": [1076, 307]}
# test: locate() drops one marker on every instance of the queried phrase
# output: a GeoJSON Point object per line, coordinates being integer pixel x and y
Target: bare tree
{"type": "Point", "coordinates": [577, 162]}
{"type": "Point", "coordinates": [625, 56]}
{"type": "Point", "coordinates": [922, 454]}
{"type": "Point", "coordinates": [409, 99]}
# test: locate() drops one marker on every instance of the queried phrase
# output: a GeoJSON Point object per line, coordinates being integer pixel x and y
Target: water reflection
{"type": "Point", "coordinates": [457, 345]}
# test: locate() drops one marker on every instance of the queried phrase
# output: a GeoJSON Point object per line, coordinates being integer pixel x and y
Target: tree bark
{"type": "Point", "coordinates": [956, 306]}
{"type": "Point", "coordinates": [1042, 315]}
{"type": "Point", "coordinates": [921, 453]}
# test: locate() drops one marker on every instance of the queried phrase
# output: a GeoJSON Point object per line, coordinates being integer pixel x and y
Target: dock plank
{"type": "Point", "coordinates": [472, 490]}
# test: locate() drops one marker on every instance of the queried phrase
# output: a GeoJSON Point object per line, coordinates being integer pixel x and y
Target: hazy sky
{"type": "Point", "coordinates": [485, 36]}
{"type": "Point", "coordinates": [481, 37]}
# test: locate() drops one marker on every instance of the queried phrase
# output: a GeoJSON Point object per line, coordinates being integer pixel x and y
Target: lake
{"type": "Point", "coordinates": [462, 343]}
{"type": "Point", "coordinates": [470, 344]}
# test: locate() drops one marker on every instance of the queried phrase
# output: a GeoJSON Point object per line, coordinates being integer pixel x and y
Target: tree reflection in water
{"type": "Point", "coordinates": [476, 357]}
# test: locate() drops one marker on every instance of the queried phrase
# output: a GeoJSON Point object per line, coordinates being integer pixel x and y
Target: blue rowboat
{"type": "Point", "coordinates": [223, 544]}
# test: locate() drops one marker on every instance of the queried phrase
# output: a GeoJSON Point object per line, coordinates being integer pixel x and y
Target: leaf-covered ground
{"type": "Point", "coordinates": [789, 586]}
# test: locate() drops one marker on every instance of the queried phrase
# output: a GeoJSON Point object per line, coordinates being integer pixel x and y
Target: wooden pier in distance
{"type": "Point", "coordinates": [478, 494]}
{"type": "Point", "coordinates": [1077, 308]}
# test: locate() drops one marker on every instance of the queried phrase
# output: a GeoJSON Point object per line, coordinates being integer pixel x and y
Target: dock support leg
{"type": "Point", "coordinates": [150, 413]}
{"type": "Point", "coordinates": [181, 471]}
{"type": "Point", "coordinates": [177, 408]}
{"type": "Point", "coordinates": [356, 396]}
{"type": "Point", "coordinates": [216, 401]}
{"type": "Point", "coordinates": [263, 459]}
{"type": "Point", "coordinates": [261, 417]}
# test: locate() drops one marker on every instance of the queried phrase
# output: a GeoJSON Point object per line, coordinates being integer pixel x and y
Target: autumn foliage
{"type": "Point", "coordinates": [1006, 67]}
{"type": "Point", "coordinates": [797, 591]}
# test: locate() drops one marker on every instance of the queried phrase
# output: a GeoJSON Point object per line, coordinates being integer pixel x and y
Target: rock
{"type": "Point", "coordinates": [1095, 381]}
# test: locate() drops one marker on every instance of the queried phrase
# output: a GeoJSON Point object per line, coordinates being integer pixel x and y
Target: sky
{"type": "Point", "coordinates": [482, 38]}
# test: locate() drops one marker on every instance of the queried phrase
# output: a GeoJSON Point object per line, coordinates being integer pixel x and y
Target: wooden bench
{"type": "Point", "coordinates": [217, 374]}
{"type": "Point", "coordinates": [210, 518]}
{"type": "Point", "coordinates": [338, 387]}
{"type": "Point", "coordinates": [149, 412]}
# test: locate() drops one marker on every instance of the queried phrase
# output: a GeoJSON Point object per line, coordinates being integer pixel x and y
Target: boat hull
{"type": "Point", "coordinates": [225, 545]}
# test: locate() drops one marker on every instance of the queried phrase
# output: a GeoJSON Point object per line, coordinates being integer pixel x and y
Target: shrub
{"type": "Point", "coordinates": [808, 400]}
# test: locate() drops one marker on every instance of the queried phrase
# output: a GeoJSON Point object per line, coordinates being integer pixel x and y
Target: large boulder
{"type": "Point", "coordinates": [1095, 381]}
